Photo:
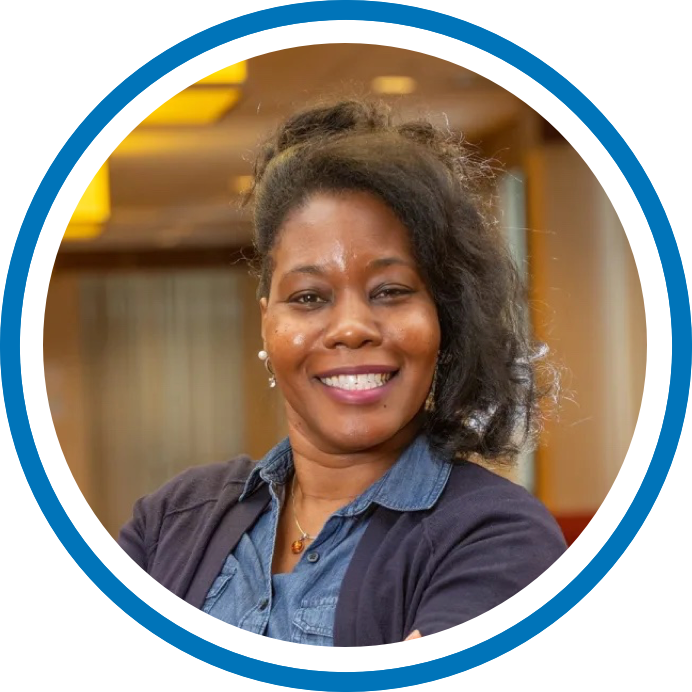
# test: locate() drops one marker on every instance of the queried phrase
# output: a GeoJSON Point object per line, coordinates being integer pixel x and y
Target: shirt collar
{"type": "Point", "coordinates": [275, 467]}
{"type": "Point", "coordinates": [414, 483]}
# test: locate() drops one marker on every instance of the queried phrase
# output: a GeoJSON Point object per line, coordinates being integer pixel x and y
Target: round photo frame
{"type": "Point", "coordinates": [665, 394]}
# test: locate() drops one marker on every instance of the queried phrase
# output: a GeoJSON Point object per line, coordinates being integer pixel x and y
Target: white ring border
{"type": "Point", "coordinates": [658, 346]}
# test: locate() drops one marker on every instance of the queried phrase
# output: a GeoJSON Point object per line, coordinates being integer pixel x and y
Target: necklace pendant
{"type": "Point", "coordinates": [297, 546]}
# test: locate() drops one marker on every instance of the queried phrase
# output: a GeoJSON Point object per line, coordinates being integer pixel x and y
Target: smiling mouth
{"type": "Point", "coordinates": [354, 383]}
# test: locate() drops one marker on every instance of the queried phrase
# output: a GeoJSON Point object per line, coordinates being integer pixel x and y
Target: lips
{"type": "Point", "coordinates": [365, 384]}
{"type": "Point", "coordinates": [359, 382]}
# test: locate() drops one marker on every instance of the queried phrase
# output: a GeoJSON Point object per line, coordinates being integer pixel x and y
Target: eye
{"type": "Point", "coordinates": [309, 298]}
{"type": "Point", "coordinates": [391, 292]}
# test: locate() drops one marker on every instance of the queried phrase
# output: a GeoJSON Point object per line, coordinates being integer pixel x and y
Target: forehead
{"type": "Point", "coordinates": [341, 228]}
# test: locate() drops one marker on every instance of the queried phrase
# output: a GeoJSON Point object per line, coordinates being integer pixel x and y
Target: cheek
{"type": "Point", "coordinates": [419, 337]}
{"type": "Point", "coordinates": [286, 343]}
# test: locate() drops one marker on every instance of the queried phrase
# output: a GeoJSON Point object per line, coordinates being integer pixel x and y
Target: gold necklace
{"type": "Point", "coordinates": [298, 545]}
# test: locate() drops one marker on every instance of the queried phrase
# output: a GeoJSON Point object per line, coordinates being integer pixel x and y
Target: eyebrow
{"type": "Point", "coordinates": [312, 269]}
{"type": "Point", "coordinates": [379, 263]}
{"type": "Point", "coordinates": [384, 262]}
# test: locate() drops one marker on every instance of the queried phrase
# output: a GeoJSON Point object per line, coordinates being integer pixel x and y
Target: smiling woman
{"type": "Point", "coordinates": [391, 322]}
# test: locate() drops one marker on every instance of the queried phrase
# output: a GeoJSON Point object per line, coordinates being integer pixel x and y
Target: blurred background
{"type": "Point", "coordinates": [152, 326]}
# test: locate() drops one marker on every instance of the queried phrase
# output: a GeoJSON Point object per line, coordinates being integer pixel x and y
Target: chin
{"type": "Point", "coordinates": [366, 435]}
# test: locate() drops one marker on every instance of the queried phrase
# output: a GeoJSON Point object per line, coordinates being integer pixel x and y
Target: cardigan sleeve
{"type": "Point", "coordinates": [132, 536]}
{"type": "Point", "coordinates": [179, 509]}
{"type": "Point", "coordinates": [512, 541]}
{"type": "Point", "coordinates": [192, 488]}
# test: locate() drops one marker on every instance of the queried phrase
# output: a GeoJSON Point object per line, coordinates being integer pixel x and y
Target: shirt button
{"type": "Point", "coordinates": [313, 556]}
{"type": "Point", "coordinates": [263, 604]}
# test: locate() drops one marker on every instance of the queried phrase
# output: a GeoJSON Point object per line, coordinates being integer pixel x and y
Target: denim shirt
{"type": "Point", "coordinates": [299, 606]}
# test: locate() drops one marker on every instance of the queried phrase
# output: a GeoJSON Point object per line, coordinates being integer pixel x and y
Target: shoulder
{"type": "Point", "coordinates": [201, 485]}
{"type": "Point", "coordinates": [478, 489]}
{"type": "Point", "coordinates": [479, 503]}
{"type": "Point", "coordinates": [484, 540]}
{"type": "Point", "coordinates": [471, 475]}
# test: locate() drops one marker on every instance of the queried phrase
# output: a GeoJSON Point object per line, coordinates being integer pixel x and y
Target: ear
{"type": "Point", "coordinates": [263, 312]}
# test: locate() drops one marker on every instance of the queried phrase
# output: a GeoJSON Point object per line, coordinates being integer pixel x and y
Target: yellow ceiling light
{"type": "Point", "coordinates": [195, 107]}
{"type": "Point", "coordinates": [93, 210]}
{"type": "Point", "coordinates": [391, 84]}
{"type": "Point", "coordinates": [233, 74]}
{"type": "Point", "coordinates": [205, 101]}
{"type": "Point", "coordinates": [82, 231]}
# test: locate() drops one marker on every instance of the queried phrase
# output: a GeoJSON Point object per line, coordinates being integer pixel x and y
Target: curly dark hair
{"type": "Point", "coordinates": [485, 397]}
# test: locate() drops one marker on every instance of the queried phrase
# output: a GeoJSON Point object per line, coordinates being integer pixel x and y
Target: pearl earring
{"type": "Point", "coordinates": [264, 357]}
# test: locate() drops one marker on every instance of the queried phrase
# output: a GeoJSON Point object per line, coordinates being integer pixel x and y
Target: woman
{"type": "Point", "coordinates": [391, 323]}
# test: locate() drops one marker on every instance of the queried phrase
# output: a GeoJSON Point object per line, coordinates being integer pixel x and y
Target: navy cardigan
{"type": "Point", "coordinates": [484, 540]}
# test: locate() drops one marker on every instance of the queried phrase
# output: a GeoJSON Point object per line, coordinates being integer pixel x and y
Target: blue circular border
{"type": "Point", "coordinates": [392, 14]}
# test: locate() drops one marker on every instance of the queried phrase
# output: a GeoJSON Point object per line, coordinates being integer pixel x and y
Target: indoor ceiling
{"type": "Point", "coordinates": [178, 186]}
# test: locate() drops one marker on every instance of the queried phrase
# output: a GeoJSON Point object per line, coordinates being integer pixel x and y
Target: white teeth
{"type": "Point", "coordinates": [357, 382]}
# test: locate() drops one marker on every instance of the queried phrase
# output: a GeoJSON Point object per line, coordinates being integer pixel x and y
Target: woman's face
{"type": "Point", "coordinates": [349, 325]}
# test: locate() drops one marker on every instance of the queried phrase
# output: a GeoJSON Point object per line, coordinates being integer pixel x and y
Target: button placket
{"type": "Point", "coordinates": [263, 610]}
{"type": "Point", "coordinates": [326, 533]}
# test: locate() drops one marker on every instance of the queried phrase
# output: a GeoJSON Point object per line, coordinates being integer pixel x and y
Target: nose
{"type": "Point", "coordinates": [352, 324]}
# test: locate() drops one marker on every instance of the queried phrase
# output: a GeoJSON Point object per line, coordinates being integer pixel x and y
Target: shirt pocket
{"type": "Point", "coordinates": [313, 622]}
{"type": "Point", "coordinates": [220, 584]}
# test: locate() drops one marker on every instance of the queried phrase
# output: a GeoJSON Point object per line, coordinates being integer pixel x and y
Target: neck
{"type": "Point", "coordinates": [339, 477]}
